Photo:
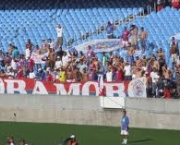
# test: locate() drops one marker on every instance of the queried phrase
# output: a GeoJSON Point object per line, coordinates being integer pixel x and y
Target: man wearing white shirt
{"type": "Point", "coordinates": [14, 64]}
{"type": "Point", "coordinates": [109, 75]}
{"type": "Point", "coordinates": [32, 75]}
{"type": "Point", "coordinates": [51, 43]}
{"type": "Point", "coordinates": [65, 59]}
{"type": "Point", "coordinates": [59, 31]}
{"type": "Point", "coordinates": [127, 71]}
{"type": "Point", "coordinates": [154, 76]}
{"type": "Point", "coordinates": [58, 63]}
{"type": "Point", "coordinates": [27, 53]}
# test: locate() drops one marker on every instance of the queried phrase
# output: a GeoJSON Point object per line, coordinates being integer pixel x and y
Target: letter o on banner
{"type": "Point", "coordinates": [86, 88]}
{"type": "Point", "coordinates": [2, 87]}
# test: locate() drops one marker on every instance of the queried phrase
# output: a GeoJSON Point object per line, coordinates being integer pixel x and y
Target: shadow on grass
{"type": "Point", "coordinates": [140, 141]}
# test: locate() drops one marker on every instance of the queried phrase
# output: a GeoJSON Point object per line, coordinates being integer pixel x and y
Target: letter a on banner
{"type": "Point", "coordinates": [39, 88]}
{"type": "Point", "coordinates": [2, 87]}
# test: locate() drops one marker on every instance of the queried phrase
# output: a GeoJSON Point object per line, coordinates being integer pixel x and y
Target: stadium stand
{"type": "Point", "coordinates": [28, 36]}
{"type": "Point", "coordinates": [78, 20]}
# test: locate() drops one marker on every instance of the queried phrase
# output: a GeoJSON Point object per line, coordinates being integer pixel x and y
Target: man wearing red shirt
{"type": "Point", "coordinates": [49, 77]}
{"type": "Point", "coordinates": [125, 37]}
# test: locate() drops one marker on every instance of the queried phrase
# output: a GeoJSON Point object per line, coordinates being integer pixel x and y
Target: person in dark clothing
{"type": "Point", "coordinates": [60, 52]}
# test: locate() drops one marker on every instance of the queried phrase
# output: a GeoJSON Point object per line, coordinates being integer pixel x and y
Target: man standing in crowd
{"type": "Point", "coordinates": [125, 37]}
{"type": "Point", "coordinates": [110, 29]}
{"type": "Point", "coordinates": [134, 40]}
{"type": "Point", "coordinates": [124, 127]}
{"type": "Point", "coordinates": [178, 81]}
{"type": "Point", "coordinates": [59, 31]}
{"type": "Point", "coordinates": [143, 36]}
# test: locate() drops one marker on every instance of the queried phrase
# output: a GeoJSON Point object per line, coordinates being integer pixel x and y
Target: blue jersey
{"type": "Point", "coordinates": [124, 122]}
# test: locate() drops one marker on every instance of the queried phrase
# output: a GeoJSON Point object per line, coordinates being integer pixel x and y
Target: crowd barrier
{"type": "Point", "coordinates": [143, 112]}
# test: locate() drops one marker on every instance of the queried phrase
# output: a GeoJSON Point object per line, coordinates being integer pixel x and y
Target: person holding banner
{"type": "Point", "coordinates": [124, 127]}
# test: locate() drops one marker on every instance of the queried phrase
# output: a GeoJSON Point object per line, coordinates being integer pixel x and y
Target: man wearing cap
{"type": "Point", "coordinates": [124, 127]}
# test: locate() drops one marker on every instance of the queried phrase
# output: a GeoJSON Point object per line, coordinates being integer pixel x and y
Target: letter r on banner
{"type": "Point", "coordinates": [21, 86]}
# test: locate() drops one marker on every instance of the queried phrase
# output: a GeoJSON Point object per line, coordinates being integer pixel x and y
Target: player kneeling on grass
{"type": "Point", "coordinates": [124, 127]}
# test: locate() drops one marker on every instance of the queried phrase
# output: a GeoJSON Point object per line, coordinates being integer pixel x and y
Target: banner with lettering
{"type": "Point", "coordinates": [31, 86]}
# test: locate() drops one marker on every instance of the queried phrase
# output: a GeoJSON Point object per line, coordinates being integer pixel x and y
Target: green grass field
{"type": "Point", "coordinates": [53, 134]}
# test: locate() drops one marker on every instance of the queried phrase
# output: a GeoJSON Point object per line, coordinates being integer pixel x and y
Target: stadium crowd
{"type": "Point", "coordinates": [49, 62]}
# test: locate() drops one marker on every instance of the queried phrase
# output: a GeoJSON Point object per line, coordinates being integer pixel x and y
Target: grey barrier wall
{"type": "Point", "coordinates": [143, 113]}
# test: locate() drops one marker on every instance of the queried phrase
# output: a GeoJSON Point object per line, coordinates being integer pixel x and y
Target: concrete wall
{"type": "Point", "coordinates": [146, 113]}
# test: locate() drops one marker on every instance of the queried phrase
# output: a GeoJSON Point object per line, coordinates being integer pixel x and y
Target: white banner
{"type": "Point", "coordinates": [101, 45]}
{"type": "Point", "coordinates": [137, 88]}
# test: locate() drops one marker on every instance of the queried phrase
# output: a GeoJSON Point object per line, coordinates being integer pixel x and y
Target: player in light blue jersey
{"type": "Point", "coordinates": [124, 127]}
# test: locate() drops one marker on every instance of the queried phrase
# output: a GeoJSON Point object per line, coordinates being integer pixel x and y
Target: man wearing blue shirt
{"type": "Point", "coordinates": [124, 127]}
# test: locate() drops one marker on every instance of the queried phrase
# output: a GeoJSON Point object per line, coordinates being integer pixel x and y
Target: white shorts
{"type": "Point", "coordinates": [125, 43]}
{"type": "Point", "coordinates": [124, 132]}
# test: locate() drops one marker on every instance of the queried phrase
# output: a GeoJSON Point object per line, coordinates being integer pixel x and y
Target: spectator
{"type": "Point", "coordinates": [143, 36]}
{"type": "Point", "coordinates": [82, 56]}
{"type": "Point", "coordinates": [109, 29]}
{"type": "Point", "coordinates": [51, 43]}
{"type": "Point", "coordinates": [40, 75]}
{"type": "Point", "coordinates": [148, 84]}
{"type": "Point", "coordinates": [60, 52]}
{"type": "Point", "coordinates": [37, 63]}
{"type": "Point", "coordinates": [58, 63]}
{"type": "Point", "coordinates": [30, 64]}
{"type": "Point", "coordinates": [51, 58]}
{"type": "Point", "coordinates": [125, 37]}
{"type": "Point", "coordinates": [20, 74]}
{"type": "Point", "coordinates": [10, 49]}
{"type": "Point", "coordinates": [131, 52]}
{"type": "Point", "coordinates": [62, 75]}
{"type": "Point", "coordinates": [72, 52]}
{"type": "Point", "coordinates": [59, 30]}
{"type": "Point", "coordinates": [65, 59]}
{"type": "Point", "coordinates": [29, 44]}
{"type": "Point", "coordinates": [159, 5]}
{"type": "Point", "coordinates": [127, 72]}
{"type": "Point", "coordinates": [27, 52]}
{"type": "Point", "coordinates": [31, 75]}
{"type": "Point", "coordinates": [14, 65]}
{"type": "Point", "coordinates": [154, 76]}
{"type": "Point", "coordinates": [173, 41]}
{"type": "Point", "coordinates": [174, 51]}
{"type": "Point", "coordinates": [1, 58]}
{"type": "Point", "coordinates": [155, 63]}
{"type": "Point", "coordinates": [49, 77]}
{"type": "Point", "coordinates": [2, 74]}
{"type": "Point", "coordinates": [82, 65]}
{"type": "Point", "coordinates": [89, 54]}
{"type": "Point", "coordinates": [134, 39]}
{"type": "Point", "coordinates": [178, 81]}
{"type": "Point", "coordinates": [119, 74]}
{"type": "Point", "coordinates": [15, 53]}
{"type": "Point", "coordinates": [160, 53]}
{"type": "Point", "coordinates": [85, 76]}
{"type": "Point", "coordinates": [109, 75]}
